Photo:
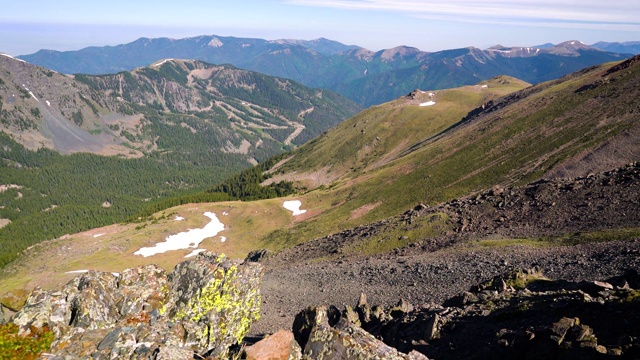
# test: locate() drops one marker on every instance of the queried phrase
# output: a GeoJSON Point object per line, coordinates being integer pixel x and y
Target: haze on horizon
{"type": "Point", "coordinates": [373, 24]}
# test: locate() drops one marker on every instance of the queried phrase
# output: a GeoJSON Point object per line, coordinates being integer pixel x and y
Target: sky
{"type": "Point", "coordinates": [429, 25]}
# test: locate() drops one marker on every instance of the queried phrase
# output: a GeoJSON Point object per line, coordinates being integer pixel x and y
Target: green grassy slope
{"type": "Point", "coordinates": [513, 140]}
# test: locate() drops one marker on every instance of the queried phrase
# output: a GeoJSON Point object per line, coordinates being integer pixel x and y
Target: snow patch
{"type": "Point", "coordinates": [294, 207]}
{"type": "Point", "coordinates": [77, 272]}
{"type": "Point", "coordinates": [98, 235]}
{"type": "Point", "coordinates": [223, 239]}
{"type": "Point", "coordinates": [185, 240]}
{"type": "Point", "coordinates": [30, 93]}
{"type": "Point", "coordinates": [11, 57]}
{"type": "Point", "coordinates": [485, 86]}
{"type": "Point", "coordinates": [48, 103]}
{"type": "Point", "coordinates": [178, 218]}
{"type": "Point", "coordinates": [161, 62]}
{"type": "Point", "coordinates": [194, 253]}
{"type": "Point", "coordinates": [428, 103]}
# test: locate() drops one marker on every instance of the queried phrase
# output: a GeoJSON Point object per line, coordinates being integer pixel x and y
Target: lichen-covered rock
{"type": "Point", "coordinates": [14, 300]}
{"type": "Point", "coordinates": [142, 290]}
{"type": "Point", "coordinates": [218, 298]}
{"type": "Point", "coordinates": [94, 301]}
{"type": "Point", "coordinates": [38, 309]}
{"type": "Point", "coordinates": [203, 307]}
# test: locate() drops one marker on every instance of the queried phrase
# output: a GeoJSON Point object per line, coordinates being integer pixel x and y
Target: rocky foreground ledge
{"type": "Point", "coordinates": [205, 307]}
{"type": "Point", "coordinates": [199, 310]}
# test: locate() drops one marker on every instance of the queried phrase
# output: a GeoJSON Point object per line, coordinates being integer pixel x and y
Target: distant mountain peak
{"type": "Point", "coordinates": [320, 45]}
{"type": "Point", "coordinates": [170, 60]}
{"type": "Point", "coordinates": [402, 51]}
{"type": "Point", "coordinates": [571, 47]}
{"type": "Point", "coordinates": [573, 43]}
{"type": "Point", "coordinates": [626, 47]}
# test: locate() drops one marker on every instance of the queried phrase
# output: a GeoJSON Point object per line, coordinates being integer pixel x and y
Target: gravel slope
{"type": "Point", "coordinates": [425, 277]}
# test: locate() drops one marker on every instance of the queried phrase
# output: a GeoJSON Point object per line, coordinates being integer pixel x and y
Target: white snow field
{"type": "Point", "coordinates": [428, 103]}
{"type": "Point", "coordinates": [185, 240]}
{"type": "Point", "coordinates": [294, 207]}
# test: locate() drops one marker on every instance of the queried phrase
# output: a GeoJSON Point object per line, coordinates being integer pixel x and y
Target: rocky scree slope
{"type": "Point", "coordinates": [518, 314]}
{"type": "Point", "coordinates": [543, 209]}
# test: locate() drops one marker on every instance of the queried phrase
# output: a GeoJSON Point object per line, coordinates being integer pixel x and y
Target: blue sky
{"type": "Point", "coordinates": [26, 27]}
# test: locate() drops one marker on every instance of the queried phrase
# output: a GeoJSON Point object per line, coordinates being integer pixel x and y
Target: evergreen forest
{"type": "Point", "coordinates": [48, 195]}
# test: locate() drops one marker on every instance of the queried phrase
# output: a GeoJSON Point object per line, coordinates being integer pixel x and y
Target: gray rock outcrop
{"type": "Point", "coordinates": [326, 334]}
{"type": "Point", "coordinates": [201, 308]}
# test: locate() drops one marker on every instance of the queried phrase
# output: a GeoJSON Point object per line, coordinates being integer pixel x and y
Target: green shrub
{"type": "Point", "coordinates": [14, 346]}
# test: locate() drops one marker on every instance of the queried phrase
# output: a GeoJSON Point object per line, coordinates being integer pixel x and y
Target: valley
{"type": "Point", "coordinates": [135, 139]}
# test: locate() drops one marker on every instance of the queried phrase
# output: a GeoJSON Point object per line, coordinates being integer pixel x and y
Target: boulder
{"type": "Point", "coordinates": [219, 298]}
{"type": "Point", "coordinates": [279, 346]}
{"type": "Point", "coordinates": [14, 300]}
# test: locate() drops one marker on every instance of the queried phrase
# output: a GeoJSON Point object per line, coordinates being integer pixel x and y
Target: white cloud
{"type": "Point", "coordinates": [622, 12]}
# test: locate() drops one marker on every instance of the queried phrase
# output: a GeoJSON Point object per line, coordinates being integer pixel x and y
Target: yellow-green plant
{"type": "Point", "coordinates": [26, 347]}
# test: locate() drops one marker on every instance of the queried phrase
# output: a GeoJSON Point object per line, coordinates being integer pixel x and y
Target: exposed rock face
{"type": "Point", "coordinates": [202, 307]}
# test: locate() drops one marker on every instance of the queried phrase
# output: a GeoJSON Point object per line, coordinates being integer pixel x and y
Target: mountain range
{"type": "Point", "coordinates": [627, 47]}
{"type": "Point", "coordinates": [366, 77]}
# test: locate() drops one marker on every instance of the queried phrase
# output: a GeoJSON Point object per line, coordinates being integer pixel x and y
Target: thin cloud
{"type": "Point", "coordinates": [624, 12]}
